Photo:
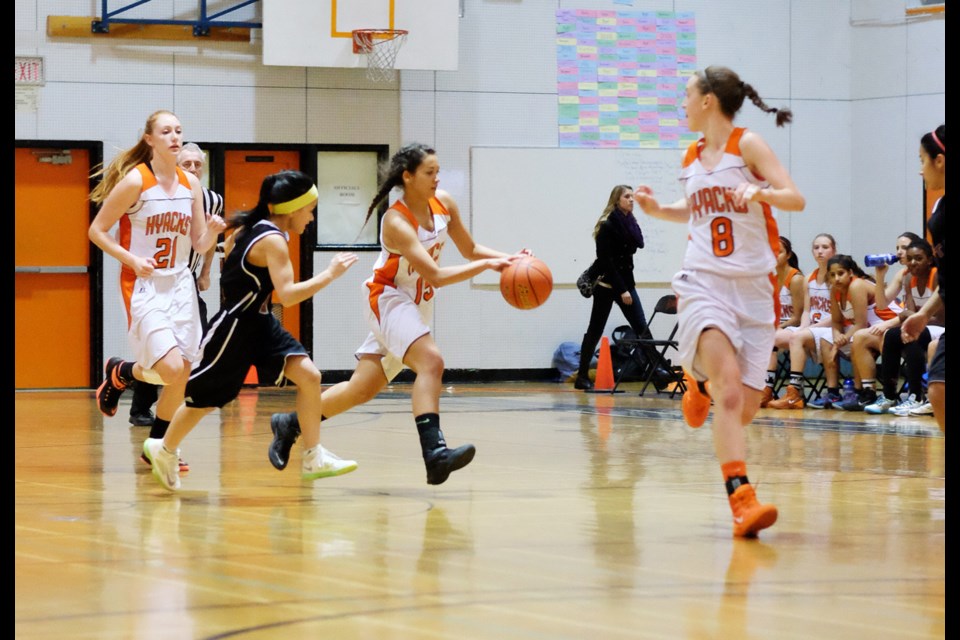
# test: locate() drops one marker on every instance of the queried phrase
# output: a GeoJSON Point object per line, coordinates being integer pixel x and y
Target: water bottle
{"type": "Point", "coordinates": [877, 259]}
{"type": "Point", "coordinates": [849, 392]}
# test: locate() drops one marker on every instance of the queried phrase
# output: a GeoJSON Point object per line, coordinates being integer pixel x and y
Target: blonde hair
{"type": "Point", "coordinates": [121, 165]}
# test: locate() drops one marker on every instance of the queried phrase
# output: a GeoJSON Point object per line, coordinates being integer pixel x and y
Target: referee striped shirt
{"type": "Point", "coordinates": [212, 205]}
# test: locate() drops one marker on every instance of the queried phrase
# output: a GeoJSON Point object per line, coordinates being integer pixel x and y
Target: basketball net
{"type": "Point", "coordinates": [381, 47]}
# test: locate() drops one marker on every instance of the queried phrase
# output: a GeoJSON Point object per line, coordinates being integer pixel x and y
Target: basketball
{"type": "Point", "coordinates": [527, 283]}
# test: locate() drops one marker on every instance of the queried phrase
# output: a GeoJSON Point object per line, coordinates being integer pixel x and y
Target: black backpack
{"type": "Point", "coordinates": [627, 367]}
{"type": "Point", "coordinates": [635, 366]}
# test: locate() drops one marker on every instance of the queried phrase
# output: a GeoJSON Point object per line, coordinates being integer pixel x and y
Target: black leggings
{"type": "Point", "coordinates": [603, 300]}
{"type": "Point", "coordinates": [914, 356]}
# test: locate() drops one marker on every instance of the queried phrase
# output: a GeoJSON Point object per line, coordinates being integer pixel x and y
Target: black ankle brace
{"type": "Point", "coordinates": [734, 482]}
{"type": "Point", "coordinates": [431, 438]}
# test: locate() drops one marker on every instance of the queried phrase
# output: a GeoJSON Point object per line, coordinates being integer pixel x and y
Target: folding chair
{"type": "Point", "coordinates": [782, 375]}
{"type": "Point", "coordinates": [815, 376]}
{"type": "Point", "coordinates": [815, 380]}
{"type": "Point", "coordinates": [656, 350]}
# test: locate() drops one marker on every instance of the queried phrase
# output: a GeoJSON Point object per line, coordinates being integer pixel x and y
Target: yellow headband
{"type": "Point", "coordinates": [297, 203]}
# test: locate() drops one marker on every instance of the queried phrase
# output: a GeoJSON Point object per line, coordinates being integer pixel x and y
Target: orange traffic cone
{"type": "Point", "coordinates": [604, 380]}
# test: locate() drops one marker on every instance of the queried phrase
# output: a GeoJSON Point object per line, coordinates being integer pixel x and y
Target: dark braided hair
{"type": "Point", "coordinates": [731, 90]}
{"type": "Point", "coordinates": [408, 158]}
{"type": "Point", "coordinates": [275, 188]}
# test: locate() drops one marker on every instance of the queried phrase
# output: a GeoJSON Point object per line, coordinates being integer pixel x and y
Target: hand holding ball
{"type": "Point", "coordinates": [526, 283]}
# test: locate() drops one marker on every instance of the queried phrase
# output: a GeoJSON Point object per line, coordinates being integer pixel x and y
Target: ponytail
{"type": "Point", "coordinates": [283, 186]}
{"type": "Point", "coordinates": [122, 164]}
{"type": "Point", "coordinates": [408, 158]}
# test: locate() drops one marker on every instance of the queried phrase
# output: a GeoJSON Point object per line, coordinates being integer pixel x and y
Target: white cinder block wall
{"type": "Point", "coordinates": [863, 81]}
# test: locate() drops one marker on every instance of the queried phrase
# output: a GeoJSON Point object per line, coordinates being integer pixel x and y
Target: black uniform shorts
{"type": "Point", "coordinates": [231, 346]}
{"type": "Point", "coordinates": [937, 370]}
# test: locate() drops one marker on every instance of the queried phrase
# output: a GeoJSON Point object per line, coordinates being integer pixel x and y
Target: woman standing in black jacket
{"type": "Point", "coordinates": [618, 237]}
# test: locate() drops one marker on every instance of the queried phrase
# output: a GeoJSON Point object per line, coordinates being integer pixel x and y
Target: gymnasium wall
{"type": "Point", "coordinates": [864, 83]}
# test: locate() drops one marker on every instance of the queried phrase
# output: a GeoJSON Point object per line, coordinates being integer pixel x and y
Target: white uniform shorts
{"type": "Point", "coordinates": [401, 323]}
{"type": "Point", "coordinates": [790, 332]}
{"type": "Point", "coordinates": [826, 333]}
{"type": "Point", "coordinates": [741, 308]}
{"type": "Point", "coordinates": [164, 315]}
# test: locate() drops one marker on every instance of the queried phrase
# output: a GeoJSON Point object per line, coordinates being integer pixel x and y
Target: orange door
{"type": "Point", "coordinates": [244, 171]}
{"type": "Point", "coordinates": [52, 265]}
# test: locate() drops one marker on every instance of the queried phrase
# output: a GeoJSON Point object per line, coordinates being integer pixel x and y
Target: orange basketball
{"type": "Point", "coordinates": [526, 283]}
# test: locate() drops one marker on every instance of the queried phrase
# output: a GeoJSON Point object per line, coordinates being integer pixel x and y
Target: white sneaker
{"type": "Point", "coordinates": [881, 405]}
{"type": "Point", "coordinates": [926, 409]}
{"type": "Point", "coordinates": [904, 407]}
{"type": "Point", "coordinates": [321, 463]}
{"type": "Point", "coordinates": [165, 465]}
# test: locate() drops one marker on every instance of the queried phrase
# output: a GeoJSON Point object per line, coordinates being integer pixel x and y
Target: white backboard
{"type": "Point", "coordinates": [318, 33]}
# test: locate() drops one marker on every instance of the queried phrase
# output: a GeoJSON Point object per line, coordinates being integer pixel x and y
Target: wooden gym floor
{"type": "Point", "coordinates": [583, 516]}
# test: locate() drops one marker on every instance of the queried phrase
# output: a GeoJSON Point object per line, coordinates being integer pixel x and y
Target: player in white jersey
{"type": "Point", "coordinates": [886, 292]}
{"type": "Point", "coordinates": [161, 217]}
{"type": "Point", "coordinates": [854, 312]}
{"type": "Point", "coordinates": [399, 301]}
{"type": "Point", "coordinates": [801, 341]}
{"type": "Point", "coordinates": [868, 342]}
{"type": "Point", "coordinates": [191, 160]}
{"type": "Point", "coordinates": [790, 286]}
{"type": "Point", "coordinates": [399, 298]}
{"type": "Point", "coordinates": [918, 287]}
{"type": "Point", "coordinates": [731, 178]}
{"type": "Point", "coordinates": [816, 301]}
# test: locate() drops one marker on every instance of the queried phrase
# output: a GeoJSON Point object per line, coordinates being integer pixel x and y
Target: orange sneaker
{"type": "Point", "coordinates": [695, 403]}
{"type": "Point", "coordinates": [749, 516]}
{"type": "Point", "coordinates": [767, 396]}
{"type": "Point", "coordinates": [792, 399]}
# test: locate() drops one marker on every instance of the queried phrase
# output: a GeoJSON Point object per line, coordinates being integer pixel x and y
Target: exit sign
{"type": "Point", "coordinates": [28, 70]}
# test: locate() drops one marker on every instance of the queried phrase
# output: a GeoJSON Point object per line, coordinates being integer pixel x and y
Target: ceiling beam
{"type": "Point", "coordinates": [78, 27]}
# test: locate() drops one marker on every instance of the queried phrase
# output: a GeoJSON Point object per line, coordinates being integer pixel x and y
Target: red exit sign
{"type": "Point", "coordinates": [28, 70]}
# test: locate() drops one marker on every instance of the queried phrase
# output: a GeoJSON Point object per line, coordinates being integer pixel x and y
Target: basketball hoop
{"type": "Point", "coordinates": [381, 47]}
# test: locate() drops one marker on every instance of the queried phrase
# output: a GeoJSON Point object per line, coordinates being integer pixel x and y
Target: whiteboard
{"type": "Point", "coordinates": [548, 200]}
